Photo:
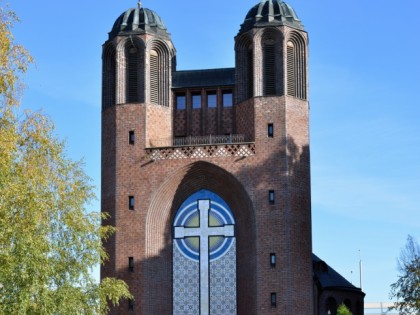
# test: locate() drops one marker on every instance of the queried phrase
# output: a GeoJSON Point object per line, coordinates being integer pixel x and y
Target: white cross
{"type": "Point", "coordinates": [204, 231]}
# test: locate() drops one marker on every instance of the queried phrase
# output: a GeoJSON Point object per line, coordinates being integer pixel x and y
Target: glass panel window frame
{"type": "Point", "coordinates": [227, 97]}
{"type": "Point", "coordinates": [180, 101]}
{"type": "Point", "coordinates": [196, 101]}
{"type": "Point", "coordinates": [211, 100]}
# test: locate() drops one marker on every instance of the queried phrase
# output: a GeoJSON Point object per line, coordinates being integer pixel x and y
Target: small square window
{"type": "Point", "coordinates": [131, 202]}
{"type": "Point", "coordinates": [272, 260]}
{"type": "Point", "coordinates": [131, 137]}
{"type": "Point", "coordinates": [130, 264]}
{"type": "Point", "coordinates": [227, 99]}
{"type": "Point", "coordinates": [180, 102]}
{"type": "Point", "coordinates": [211, 100]}
{"type": "Point", "coordinates": [271, 197]}
{"type": "Point", "coordinates": [273, 299]}
{"type": "Point", "coordinates": [270, 130]}
{"type": "Point", "coordinates": [196, 101]}
{"type": "Point", "coordinates": [130, 305]}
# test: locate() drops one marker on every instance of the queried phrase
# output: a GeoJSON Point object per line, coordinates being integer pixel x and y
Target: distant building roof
{"type": "Point", "coordinates": [328, 278]}
{"type": "Point", "coordinates": [203, 78]}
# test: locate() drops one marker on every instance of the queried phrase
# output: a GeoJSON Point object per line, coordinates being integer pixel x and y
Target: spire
{"type": "Point", "coordinates": [139, 4]}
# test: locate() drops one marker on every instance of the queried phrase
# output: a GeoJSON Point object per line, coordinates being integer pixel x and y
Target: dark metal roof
{"type": "Point", "coordinates": [203, 78]}
{"type": "Point", "coordinates": [328, 278]}
{"type": "Point", "coordinates": [271, 12]}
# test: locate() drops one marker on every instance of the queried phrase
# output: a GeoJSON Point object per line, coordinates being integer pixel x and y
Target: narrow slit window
{"type": "Point", "coordinates": [272, 260]}
{"type": "Point", "coordinates": [131, 137]}
{"type": "Point", "coordinates": [271, 197]}
{"type": "Point", "coordinates": [131, 202]}
{"type": "Point", "coordinates": [130, 305]}
{"type": "Point", "coordinates": [270, 130]}
{"type": "Point", "coordinates": [273, 299]}
{"type": "Point", "coordinates": [130, 264]}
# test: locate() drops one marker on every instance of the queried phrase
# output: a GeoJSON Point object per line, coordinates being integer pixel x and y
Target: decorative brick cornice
{"type": "Point", "coordinates": [200, 152]}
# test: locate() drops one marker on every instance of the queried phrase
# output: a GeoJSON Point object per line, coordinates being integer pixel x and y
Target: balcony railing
{"type": "Point", "coordinates": [198, 141]}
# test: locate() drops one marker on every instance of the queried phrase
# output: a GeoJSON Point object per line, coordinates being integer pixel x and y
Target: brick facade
{"type": "Point", "coordinates": [241, 173]}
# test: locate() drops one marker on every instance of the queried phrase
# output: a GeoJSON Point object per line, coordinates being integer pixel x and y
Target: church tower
{"type": "Point", "coordinates": [205, 173]}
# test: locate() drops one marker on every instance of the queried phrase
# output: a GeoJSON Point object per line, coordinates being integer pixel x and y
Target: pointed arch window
{"type": "Point", "coordinates": [296, 67]}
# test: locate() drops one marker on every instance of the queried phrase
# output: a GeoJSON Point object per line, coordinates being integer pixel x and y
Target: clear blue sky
{"type": "Point", "coordinates": [364, 95]}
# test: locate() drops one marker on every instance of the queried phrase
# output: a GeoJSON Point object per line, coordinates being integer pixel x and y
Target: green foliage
{"type": "Point", "coordinates": [343, 310]}
{"type": "Point", "coordinates": [407, 288]}
{"type": "Point", "coordinates": [14, 59]}
{"type": "Point", "coordinates": [49, 243]}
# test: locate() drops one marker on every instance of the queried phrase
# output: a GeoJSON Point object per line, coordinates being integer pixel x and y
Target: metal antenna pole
{"type": "Point", "coordinates": [360, 268]}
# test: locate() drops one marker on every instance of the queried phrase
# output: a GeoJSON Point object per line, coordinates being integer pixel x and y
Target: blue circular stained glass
{"type": "Point", "coordinates": [188, 216]}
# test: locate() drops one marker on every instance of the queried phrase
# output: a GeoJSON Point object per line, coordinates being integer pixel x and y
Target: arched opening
{"type": "Point", "coordinates": [165, 204]}
{"type": "Point", "coordinates": [244, 69]}
{"type": "Point", "coordinates": [109, 76]}
{"type": "Point", "coordinates": [159, 69]}
{"type": "Point", "coordinates": [296, 66]}
{"type": "Point", "coordinates": [348, 303]}
{"type": "Point", "coordinates": [331, 306]}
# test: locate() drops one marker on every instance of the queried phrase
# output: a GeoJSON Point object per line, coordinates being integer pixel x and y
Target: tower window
{"type": "Point", "coordinates": [130, 305]}
{"type": "Point", "coordinates": [196, 101]}
{"type": "Point", "coordinates": [270, 130]}
{"type": "Point", "coordinates": [269, 69]}
{"type": "Point", "coordinates": [211, 100]}
{"type": "Point", "coordinates": [296, 66]}
{"type": "Point", "coordinates": [131, 202]}
{"type": "Point", "coordinates": [291, 84]}
{"type": "Point", "coordinates": [130, 264]}
{"type": "Point", "coordinates": [131, 137]}
{"type": "Point", "coordinates": [227, 99]}
{"type": "Point", "coordinates": [271, 197]}
{"type": "Point", "coordinates": [154, 77]}
{"type": "Point", "coordinates": [181, 102]}
{"type": "Point", "coordinates": [132, 74]}
{"type": "Point", "coordinates": [250, 73]}
{"type": "Point", "coordinates": [272, 260]}
{"type": "Point", "coordinates": [273, 299]}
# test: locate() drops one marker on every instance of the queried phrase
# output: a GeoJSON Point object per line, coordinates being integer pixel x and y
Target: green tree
{"type": "Point", "coordinates": [343, 310]}
{"type": "Point", "coordinates": [407, 288]}
{"type": "Point", "coordinates": [49, 242]}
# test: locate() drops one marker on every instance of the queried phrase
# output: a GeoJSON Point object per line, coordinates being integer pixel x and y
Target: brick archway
{"type": "Point", "coordinates": [165, 202]}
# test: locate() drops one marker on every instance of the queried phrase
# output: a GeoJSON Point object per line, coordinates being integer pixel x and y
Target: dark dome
{"type": "Point", "coordinates": [271, 12]}
{"type": "Point", "coordinates": [138, 21]}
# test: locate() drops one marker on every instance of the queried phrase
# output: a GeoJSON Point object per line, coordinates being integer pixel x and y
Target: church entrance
{"type": "Point", "coordinates": [204, 257]}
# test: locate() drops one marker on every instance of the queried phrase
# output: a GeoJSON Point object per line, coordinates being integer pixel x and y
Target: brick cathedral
{"type": "Point", "coordinates": [206, 173]}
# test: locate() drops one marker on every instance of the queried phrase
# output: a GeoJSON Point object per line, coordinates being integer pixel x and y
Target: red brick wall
{"type": "Point", "coordinates": [281, 163]}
